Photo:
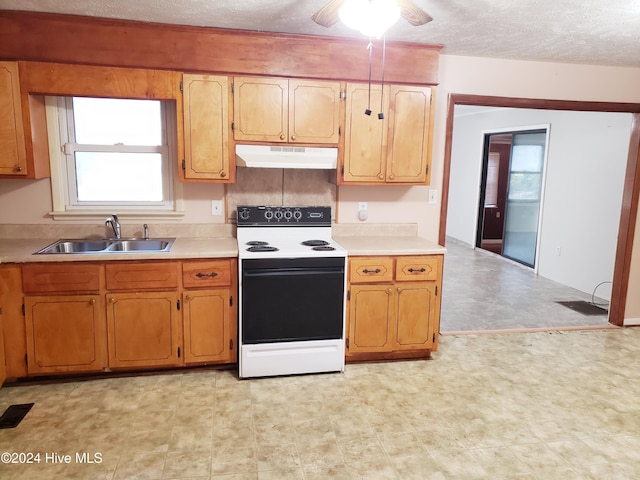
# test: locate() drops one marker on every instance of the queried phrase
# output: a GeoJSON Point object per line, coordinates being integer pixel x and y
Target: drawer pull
{"type": "Point", "coordinates": [417, 270]}
{"type": "Point", "coordinates": [377, 270]}
{"type": "Point", "coordinates": [212, 274]}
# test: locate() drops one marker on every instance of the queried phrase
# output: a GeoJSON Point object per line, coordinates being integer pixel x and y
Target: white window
{"type": "Point", "coordinates": [113, 155]}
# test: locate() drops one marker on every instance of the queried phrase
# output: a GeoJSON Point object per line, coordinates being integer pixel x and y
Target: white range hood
{"type": "Point", "coordinates": [268, 156]}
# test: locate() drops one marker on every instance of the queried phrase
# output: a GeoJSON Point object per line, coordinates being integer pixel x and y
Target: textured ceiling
{"type": "Point", "coordinates": [598, 32]}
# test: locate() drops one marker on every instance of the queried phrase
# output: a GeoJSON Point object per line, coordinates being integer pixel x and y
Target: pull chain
{"type": "Point", "coordinates": [384, 52]}
{"type": "Point", "coordinates": [370, 47]}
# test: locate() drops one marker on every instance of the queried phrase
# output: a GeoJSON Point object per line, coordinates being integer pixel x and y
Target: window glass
{"type": "Point", "coordinates": [111, 121]}
{"type": "Point", "coordinates": [527, 158]}
{"type": "Point", "coordinates": [118, 177]}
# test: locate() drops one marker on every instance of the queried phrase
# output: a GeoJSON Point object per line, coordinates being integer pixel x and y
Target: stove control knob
{"type": "Point", "coordinates": [297, 214]}
{"type": "Point", "coordinates": [278, 214]}
{"type": "Point", "coordinates": [288, 214]}
{"type": "Point", "coordinates": [244, 214]}
{"type": "Point", "coordinates": [268, 214]}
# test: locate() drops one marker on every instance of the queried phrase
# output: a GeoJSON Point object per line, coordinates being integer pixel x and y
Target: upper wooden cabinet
{"type": "Point", "coordinates": [286, 111]}
{"type": "Point", "coordinates": [23, 132]}
{"type": "Point", "coordinates": [395, 149]}
{"type": "Point", "coordinates": [12, 149]}
{"type": "Point", "coordinates": [206, 129]}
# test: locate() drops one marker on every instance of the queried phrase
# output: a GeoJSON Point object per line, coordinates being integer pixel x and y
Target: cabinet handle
{"type": "Point", "coordinates": [17, 168]}
{"type": "Point", "coordinates": [390, 291]}
{"type": "Point", "coordinates": [293, 137]}
{"type": "Point", "coordinates": [112, 300]}
{"type": "Point", "coordinates": [92, 301]}
{"type": "Point", "coordinates": [188, 298]}
{"type": "Point", "coordinates": [381, 177]}
{"type": "Point", "coordinates": [223, 174]}
{"type": "Point", "coordinates": [421, 270]}
{"type": "Point", "coordinates": [282, 137]}
{"type": "Point", "coordinates": [390, 177]}
{"type": "Point", "coordinates": [377, 270]}
{"type": "Point", "coordinates": [212, 274]}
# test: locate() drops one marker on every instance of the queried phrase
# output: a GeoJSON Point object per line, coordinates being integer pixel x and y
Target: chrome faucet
{"type": "Point", "coordinates": [113, 222]}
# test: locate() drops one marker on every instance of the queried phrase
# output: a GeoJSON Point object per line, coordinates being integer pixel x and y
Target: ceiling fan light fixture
{"type": "Point", "coordinates": [372, 18]}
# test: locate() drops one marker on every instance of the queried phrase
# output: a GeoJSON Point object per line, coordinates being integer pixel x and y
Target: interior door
{"type": "Point", "coordinates": [524, 195]}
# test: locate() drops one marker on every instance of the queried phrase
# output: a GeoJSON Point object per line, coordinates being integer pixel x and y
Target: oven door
{"type": "Point", "coordinates": [292, 299]}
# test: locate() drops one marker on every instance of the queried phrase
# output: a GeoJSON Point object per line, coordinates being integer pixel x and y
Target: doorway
{"type": "Point", "coordinates": [631, 191]}
{"type": "Point", "coordinates": [511, 193]}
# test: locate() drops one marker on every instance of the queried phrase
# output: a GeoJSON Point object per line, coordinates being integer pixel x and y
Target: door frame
{"type": "Point", "coordinates": [521, 129]}
{"type": "Point", "coordinates": [631, 190]}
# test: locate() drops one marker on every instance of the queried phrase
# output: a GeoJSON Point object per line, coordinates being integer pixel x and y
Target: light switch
{"type": "Point", "coordinates": [216, 208]}
{"type": "Point", "coordinates": [433, 196]}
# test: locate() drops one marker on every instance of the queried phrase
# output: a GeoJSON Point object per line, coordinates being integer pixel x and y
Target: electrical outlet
{"type": "Point", "coordinates": [433, 196]}
{"type": "Point", "coordinates": [362, 211]}
{"type": "Point", "coordinates": [216, 208]}
{"type": "Point", "coordinates": [558, 251]}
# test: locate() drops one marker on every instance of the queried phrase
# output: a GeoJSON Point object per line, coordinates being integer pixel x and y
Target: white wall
{"type": "Point", "coordinates": [586, 165]}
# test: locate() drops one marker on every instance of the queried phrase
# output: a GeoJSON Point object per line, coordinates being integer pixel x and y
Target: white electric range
{"type": "Point", "coordinates": [292, 289]}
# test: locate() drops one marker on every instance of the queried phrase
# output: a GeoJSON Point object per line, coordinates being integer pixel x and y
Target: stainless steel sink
{"type": "Point", "coordinates": [124, 245]}
{"type": "Point", "coordinates": [135, 245]}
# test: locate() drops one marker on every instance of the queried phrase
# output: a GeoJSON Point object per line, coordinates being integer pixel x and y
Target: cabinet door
{"type": "Point", "coordinates": [314, 111]}
{"type": "Point", "coordinates": [371, 320]}
{"type": "Point", "coordinates": [13, 160]}
{"type": "Point", "coordinates": [416, 312]}
{"type": "Point", "coordinates": [207, 330]}
{"type": "Point", "coordinates": [260, 109]}
{"type": "Point", "coordinates": [409, 148]}
{"type": "Point", "coordinates": [143, 329]}
{"type": "Point", "coordinates": [206, 131]}
{"type": "Point", "coordinates": [365, 136]}
{"type": "Point", "coordinates": [65, 333]}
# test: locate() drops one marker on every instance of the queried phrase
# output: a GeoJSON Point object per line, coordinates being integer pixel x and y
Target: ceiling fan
{"type": "Point", "coordinates": [330, 13]}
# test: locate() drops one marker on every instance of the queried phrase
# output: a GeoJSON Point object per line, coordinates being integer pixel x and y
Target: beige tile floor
{"type": "Point", "coordinates": [483, 291]}
{"type": "Point", "coordinates": [554, 405]}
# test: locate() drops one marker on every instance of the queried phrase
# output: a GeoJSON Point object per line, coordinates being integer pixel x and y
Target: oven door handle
{"type": "Point", "coordinates": [265, 272]}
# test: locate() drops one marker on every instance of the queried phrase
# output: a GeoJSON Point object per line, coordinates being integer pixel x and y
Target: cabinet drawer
{"type": "Point", "coordinates": [142, 276]}
{"type": "Point", "coordinates": [45, 278]}
{"type": "Point", "coordinates": [370, 269]}
{"type": "Point", "coordinates": [210, 273]}
{"type": "Point", "coordinates": [419, 268]}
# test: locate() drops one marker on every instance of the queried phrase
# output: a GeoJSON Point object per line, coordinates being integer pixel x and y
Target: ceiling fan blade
{"type": "Point", "coordinates": [328, 15]}
{"type": "Point", "coordinates": [412, 13]}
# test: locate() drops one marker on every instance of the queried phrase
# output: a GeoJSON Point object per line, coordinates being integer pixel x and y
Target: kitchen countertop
{"type": "Point", "coordinates": [357, 245]}
{"type": "Point", "coordinates": [22, 250]}
{"type": "Point", "coordinates": [384, 239]}
{"type": "Point", "coordinates": [357, 239]}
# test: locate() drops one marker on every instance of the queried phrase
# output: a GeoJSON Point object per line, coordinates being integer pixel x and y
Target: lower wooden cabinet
{"type": "Point", "coordinates": [65, 333]}
{"type": "Point", "coordinates": [143, 329]}
{"type": "Point", "coordinates": [78, 317]}
{"type": "Point", "coordinates": [398, 318]}
{"type": "Point", "coordinates": [207, 330]}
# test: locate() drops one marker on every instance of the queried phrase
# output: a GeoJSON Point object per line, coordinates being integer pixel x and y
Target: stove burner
{"type": "Point", "coordinates": [257, 242]}
{"type": "Point", "coordinates": [262, 248]}
{"type": "Point", "coordinates": [315, 243]}
{"type": "Point", "coordinates": [323, 248]}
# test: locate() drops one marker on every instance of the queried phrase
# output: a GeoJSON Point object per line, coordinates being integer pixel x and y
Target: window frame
{"type": "Point", "coordinates": [64, 194]}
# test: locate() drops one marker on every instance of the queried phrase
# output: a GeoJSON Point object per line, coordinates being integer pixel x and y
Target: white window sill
{"type": "Point", "coordinates": [100, 215]}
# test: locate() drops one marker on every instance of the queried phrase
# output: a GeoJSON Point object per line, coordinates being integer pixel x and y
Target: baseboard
{"type": "Point", "coordinates": [629, 322]}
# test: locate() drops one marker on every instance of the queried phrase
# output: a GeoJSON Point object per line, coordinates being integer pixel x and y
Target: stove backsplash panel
{"type": "Point", "coordinates": [277, 187]}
